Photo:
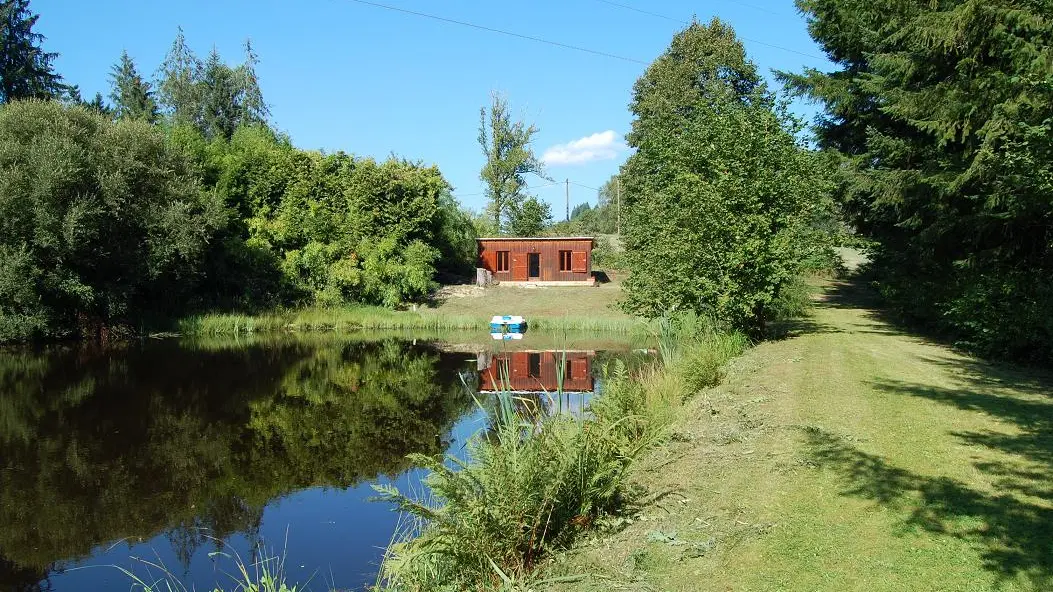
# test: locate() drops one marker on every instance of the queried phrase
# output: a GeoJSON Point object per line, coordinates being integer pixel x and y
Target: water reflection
{"type": "Point", "coordinates": [100, 445]}
{"type": "Point", "coordinates": [170, 449]}
{"type": "Point", "coordinates": [537, 371]}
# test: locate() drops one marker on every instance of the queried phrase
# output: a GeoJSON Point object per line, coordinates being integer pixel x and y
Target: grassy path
{"type": "Point", "coordinates": [849, 456]}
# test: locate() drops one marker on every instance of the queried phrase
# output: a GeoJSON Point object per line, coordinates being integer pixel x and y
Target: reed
{"type": "Point", "coordinates": [261, 574]}
{"type": "Point", "coordinates": [367, 318]}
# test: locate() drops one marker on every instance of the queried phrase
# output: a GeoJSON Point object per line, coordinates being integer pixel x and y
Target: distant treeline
{"type": "Point", "coordinates": [130, 213]}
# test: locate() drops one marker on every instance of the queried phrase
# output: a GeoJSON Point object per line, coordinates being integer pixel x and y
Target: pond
{"type": "Point", "coordinates": [183, 453]}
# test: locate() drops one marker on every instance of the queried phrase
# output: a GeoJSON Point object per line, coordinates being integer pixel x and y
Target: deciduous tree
{"type": "Point", "coordinates": [530, 218]}
{"type": "Point", "coordinates": [509, 159]}
{"type": "Point", "coordinates": [720, 197]}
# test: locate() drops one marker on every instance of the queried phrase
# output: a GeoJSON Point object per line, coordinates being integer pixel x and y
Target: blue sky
{"type": "Point", "coordinates": [341, 75]}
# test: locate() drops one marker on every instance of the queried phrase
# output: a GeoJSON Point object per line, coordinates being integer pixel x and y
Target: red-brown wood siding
{"type": "Point", "coordinates": [548, 250]}
{"type": "Point", "coordinates": [577, 379]}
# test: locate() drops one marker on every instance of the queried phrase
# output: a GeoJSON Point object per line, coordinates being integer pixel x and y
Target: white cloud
{"type": "Point", "coordinates": [600, 146]}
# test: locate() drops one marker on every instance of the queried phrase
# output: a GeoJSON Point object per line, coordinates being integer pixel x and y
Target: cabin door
{"type": "Point", "coordinates": [535, 266]}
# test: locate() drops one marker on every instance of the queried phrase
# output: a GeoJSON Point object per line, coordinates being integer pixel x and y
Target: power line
{"type": "Point", "coordinates": [641, 11]}
{"type": "Point", "coordinates": [683, 22]}
{"type": "Point", "coordinates": [585, 186]}
{"type": "Point", "coordinates": [528, 188]}
{"type": "Point", "coordinates": [500, 31]}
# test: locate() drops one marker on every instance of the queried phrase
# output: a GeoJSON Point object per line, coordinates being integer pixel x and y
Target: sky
{"type": "Point", "coordinates": [350, 75]}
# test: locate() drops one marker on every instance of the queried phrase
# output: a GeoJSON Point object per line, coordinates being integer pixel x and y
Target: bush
{"type": "Point", "coordinates": [521, 491]}
{"type": "Point", "coordinates": [101, 222]}
{"type": "Point", "coordinates": [337, 229]}
{"type": "Point", "coordinates": [606, 256]}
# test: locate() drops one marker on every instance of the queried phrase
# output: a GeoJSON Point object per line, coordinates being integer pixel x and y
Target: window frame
{"type": "Point", "coordinates": [566, 260]}
{"type": "Point", "coordinates": [504, 257]}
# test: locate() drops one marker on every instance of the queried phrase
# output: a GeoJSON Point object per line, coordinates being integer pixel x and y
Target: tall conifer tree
{"type": "Point", "coordinates": [132, 96]}
{"type": "Point", "coordinates": [943, 112]}
{"type": "Point", "coordinates": [26, 70]}
{"type": "Point", "coordinates": [178, 89]}
{"type": "Point", "coordinates": [253, 107]}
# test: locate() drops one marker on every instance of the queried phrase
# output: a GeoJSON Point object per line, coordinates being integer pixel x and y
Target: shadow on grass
{"type": "Point", "coordinates": [1012, 527]}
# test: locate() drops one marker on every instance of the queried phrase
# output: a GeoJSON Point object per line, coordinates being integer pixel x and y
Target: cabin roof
{"type": "Point", "coordinates": [537, 238]}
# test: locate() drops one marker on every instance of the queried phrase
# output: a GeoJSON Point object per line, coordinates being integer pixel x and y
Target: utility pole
{"type": "Point", "coordinates": [618, 181]}
{"type": "Point", "coordinates": [568, 200]}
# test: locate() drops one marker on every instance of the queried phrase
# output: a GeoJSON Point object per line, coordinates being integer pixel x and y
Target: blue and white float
{"type": "Point", "coordinates": [507, 327]}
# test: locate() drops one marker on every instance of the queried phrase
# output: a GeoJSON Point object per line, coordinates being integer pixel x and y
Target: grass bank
{"type": "Point", "coordinates": [851, 455]}
{"type": "Point", "coordinates": [529, 488]}
{"type": "Point", "coordinates": [367, 318]}
{"type": "Point", "coordinates": [456, 308]}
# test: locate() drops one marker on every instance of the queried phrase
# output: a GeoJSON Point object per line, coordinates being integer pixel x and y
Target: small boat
{"type": "Point", "coordinates": [504, 327]}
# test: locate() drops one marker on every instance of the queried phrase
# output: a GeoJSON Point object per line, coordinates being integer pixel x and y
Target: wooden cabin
{"type": "Point", "coordinates": [537, 371]}
{"type": "Point", "coordinates": [554, 261]}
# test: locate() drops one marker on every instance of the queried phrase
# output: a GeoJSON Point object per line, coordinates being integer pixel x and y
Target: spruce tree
{"type": "Point", "coordinates": [252, 106]}
{"type": "Point", "coordinates": [98, 105]}
{"type": "Point", "coordinates": [220, 98]}
{"type": "Point", "coordinates": [132, 96]}
{"type": "Point", "coordinates": [26, 70]}
{"type": "Point", "coordinates": [179, 91]}
{"type": "Point", "coordinates": [943, 113]}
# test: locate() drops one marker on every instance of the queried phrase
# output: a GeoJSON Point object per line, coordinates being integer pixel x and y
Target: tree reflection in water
{"type": "Point", "coordinates": [195, 439]}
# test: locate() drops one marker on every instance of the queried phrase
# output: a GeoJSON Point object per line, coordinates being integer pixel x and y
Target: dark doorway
{"type": "Point", "coordinates": [534, 365]}
{"type": "Point", "coordinates": [535, 265]}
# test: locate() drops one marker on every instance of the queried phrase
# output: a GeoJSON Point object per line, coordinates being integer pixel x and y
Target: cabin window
{"type": "Point", "coordinates": [564, 261]}
{"type": "Point", "coordinates": [502, 261]}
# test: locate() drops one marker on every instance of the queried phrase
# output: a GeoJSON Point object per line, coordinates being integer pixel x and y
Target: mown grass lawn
{"type": "Point", "coordinates": [849, 456]}
{"type": "Point", "coordinates": [599, 301]}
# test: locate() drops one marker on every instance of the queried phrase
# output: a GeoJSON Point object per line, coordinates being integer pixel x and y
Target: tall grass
{"type": "Point", "coordinates": [260, 574]}
{"type": "Point", "coordinates": [695, 350]}
{"type": "Point", "coordinates": [332, 319]}
{"type": "Point", "coordinates": [526, 488]}
{"type": "Point", "coordinates": [375, 318]}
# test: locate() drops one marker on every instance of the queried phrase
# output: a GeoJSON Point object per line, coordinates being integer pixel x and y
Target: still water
{"type": "Point", "coordinates": [183, 453]}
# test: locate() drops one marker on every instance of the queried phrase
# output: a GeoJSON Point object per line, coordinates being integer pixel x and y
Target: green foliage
{"type": "Point", "coordinates": [101, 222]}
{"type": "Point", "coordinates": [530, 218]}
{"type": "Point", "coordinates": [523, 490]}
{"type": "Point", "coordinates": [123, 224]}
{"type": "Point", "coordinates": [608, 253]}
{"type": "Point", "coordinates": [943, 115]}
{"type": "Point", "coordinates": [327, 229]}
{"type": "Point", "coordinates": [695, 351]}
{"type": "Point", "coordinates": [509, 158]}
{"type": "Point", "coordinates": [722, 203]}
{"type": "Point", "coordinates": [26, 70]}
{"type": "Point", "coordinates": [131, 95]}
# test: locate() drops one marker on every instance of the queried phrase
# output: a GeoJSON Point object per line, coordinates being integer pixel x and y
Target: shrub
{"type": "Point", "coordinates": [101, 222]}
{"type": "Point", "coordinates": [521, 491]}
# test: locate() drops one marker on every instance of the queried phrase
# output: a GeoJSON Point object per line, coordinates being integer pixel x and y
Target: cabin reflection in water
{"type": "Point", "coordinates": [536, 371]}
